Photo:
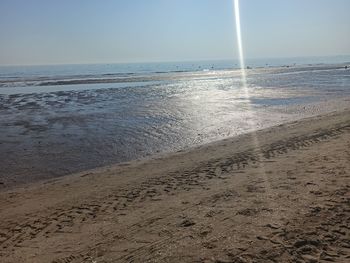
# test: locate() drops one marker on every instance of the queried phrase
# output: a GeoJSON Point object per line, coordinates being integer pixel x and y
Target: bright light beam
{"type": "Point", "coordinates": [244, 84]}
{"type": "Point", "coordinates": [251, 117]}
{"type": "Point", "coordinates": [239, 42]}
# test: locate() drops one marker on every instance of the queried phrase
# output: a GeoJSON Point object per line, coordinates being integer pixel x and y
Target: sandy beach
{"type": "Point", "coordinates": [280, 194]}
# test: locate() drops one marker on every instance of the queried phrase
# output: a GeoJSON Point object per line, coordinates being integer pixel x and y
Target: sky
{"type": "Point", "coordinates": [119, 31]}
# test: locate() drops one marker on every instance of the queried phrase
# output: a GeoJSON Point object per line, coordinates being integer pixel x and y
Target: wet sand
{"type": "Point", "coordinates": [277, 195]}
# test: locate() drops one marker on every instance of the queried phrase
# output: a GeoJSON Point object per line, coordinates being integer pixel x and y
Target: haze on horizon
{"type": "Point", "coordinates": [88, 31]}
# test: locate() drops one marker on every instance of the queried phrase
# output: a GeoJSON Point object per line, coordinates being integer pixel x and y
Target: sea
{"type": "Point", "coordinates": [59, 119]}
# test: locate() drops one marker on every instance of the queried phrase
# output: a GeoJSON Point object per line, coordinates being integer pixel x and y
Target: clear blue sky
{"type": "Point", "coordinates": [112, 31]}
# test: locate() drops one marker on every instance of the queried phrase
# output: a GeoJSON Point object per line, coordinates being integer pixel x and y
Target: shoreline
{"type": "Point", "coordinates": [288, 115]}
{"type": "Point", "coordinates": [274, 194]}
{"type": "Point", "coordinates": [48, 134]}
{"type": "Point", "coordinates": [189, 150]}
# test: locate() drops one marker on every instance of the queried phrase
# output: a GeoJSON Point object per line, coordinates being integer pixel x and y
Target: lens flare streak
{"type": "Point", "coordinates": [239, 42]}
{"type": "Point", "coordinates": [250, 120]}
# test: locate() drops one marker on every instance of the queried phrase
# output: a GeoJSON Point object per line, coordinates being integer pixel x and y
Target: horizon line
{"type": "Point", "coordinates": [171, 61]}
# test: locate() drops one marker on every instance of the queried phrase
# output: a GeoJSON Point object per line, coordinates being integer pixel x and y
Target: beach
{"type": "Point", "coordinates": [280, 194]}
{"type": "Point", "coordinates": [174, 131]}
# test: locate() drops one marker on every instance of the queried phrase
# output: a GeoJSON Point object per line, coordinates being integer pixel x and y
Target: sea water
{"type": "Point", "coordinates": [55, 120]}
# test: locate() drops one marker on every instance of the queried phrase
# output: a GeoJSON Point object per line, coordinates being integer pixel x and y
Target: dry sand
{"type": "Point", "coordinates": [277, 195]}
